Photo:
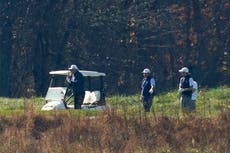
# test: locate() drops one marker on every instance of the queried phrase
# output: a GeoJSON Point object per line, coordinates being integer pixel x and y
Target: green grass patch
{"type": "Point", "coordinates": [210, 102]}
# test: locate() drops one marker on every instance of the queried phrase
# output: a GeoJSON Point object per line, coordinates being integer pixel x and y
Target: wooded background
{"type": "Point", "coordinates": [118, 37]}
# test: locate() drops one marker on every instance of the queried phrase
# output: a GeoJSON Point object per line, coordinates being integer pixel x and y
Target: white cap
{"type": "Point", "coordinates": [146, 70]}
{"type": "Point", "coordinates": [73, 67]}
{"type": "Point", "coordinates": [184, 69]}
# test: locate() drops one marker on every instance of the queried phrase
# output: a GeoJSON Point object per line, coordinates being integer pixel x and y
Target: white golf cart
{"type": "Point", "coordinates": [59, 96]}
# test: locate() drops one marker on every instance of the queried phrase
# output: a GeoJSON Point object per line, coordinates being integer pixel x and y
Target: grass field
{"type": "Point", "coordinates": [210, 102]}
{"type": "Point", "coordinates": [24, 128]}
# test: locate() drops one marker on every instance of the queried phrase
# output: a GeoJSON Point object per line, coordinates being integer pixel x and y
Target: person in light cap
{"type": "Point", "coordinates": [76, 82]}
{"type": "Point", "coordinates": [147, 89]}
{"type": "Point", "coordinates": [73, 67]}
{"type": "Point", "coordinates": [186, 89]}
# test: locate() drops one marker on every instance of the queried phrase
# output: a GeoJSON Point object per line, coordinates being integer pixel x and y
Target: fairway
{"type": "Point", "coordinates": [211, 102]}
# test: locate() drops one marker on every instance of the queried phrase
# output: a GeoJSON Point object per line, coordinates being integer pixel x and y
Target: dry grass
{"type": "Point", "coordinates": [111, 132]}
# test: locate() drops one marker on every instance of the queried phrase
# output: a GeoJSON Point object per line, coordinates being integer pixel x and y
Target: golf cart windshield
{"type": "Point", "coordinates": [56, 93]}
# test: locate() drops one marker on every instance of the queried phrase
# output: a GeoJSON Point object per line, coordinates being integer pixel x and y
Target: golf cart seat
{"type": "Point", "coordinates": [91, 97]}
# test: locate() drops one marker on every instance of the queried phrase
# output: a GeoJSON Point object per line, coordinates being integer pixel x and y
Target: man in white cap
{"type": "Point", "coordinates": [147, 89]}
{"type": "Point", "coordinates": [76, 83]}
{"type": "Point", "coordinates": [186, 89]}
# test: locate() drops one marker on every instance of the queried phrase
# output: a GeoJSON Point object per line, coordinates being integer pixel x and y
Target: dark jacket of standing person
{"type": "Point", "coordinates": [76, 83]}
{"type": "Point", "coordinates": [147, 90]}
{"type": "Point", "coordinates": [184, 83]}
{"type": "Point", "coordinates": [146, 86]}
{"type": "Point", "coordinates": [186, 89]}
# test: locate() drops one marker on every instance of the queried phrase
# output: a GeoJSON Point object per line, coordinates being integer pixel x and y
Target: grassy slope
{"type": "Point", "coordinates": [210, 102]}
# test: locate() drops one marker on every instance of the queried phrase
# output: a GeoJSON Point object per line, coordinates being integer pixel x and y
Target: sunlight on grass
{"type": "Point", "coordinates": [210, 102]}
{"type": "Point", "coordinates": [125, 128]}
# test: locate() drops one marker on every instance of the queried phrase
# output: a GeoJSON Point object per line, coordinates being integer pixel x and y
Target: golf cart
{"type": "Point", "coordinates": [59, 96]}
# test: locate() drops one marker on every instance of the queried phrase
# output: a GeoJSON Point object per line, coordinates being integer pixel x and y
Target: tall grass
{"type": "Point", "coordinates": [125, 128]}
{"type": "Point", "coordinates": [111, 132]}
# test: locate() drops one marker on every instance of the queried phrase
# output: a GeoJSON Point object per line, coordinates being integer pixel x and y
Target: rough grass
{"type": "Point", "coordinates": [111, 132]}
{"type": "Point", "coordinates": [125, 128]}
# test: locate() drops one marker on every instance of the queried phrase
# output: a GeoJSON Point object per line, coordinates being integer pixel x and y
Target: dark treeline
{"type": "Point", "coordinates": [118, 37]}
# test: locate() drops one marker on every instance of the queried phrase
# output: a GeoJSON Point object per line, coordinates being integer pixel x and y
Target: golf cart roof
{"type": "Point", "coordinates": [84, 73]}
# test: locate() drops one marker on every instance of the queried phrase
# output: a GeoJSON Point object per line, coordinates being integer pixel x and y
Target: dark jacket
{"type": "Point", "coordinates": [184, 82]}
{"type": "Point", "coordinates": [77, 84]}
{"type": "Point", "coordinates": [145, 87]}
